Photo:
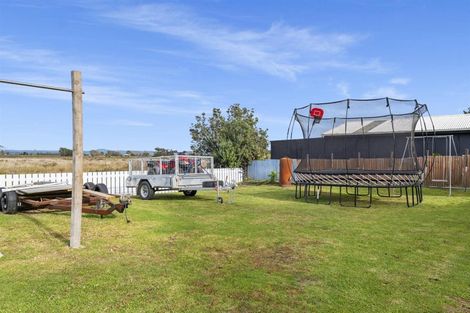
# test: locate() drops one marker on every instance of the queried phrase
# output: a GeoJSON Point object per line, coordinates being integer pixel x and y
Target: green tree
{"type": "Point", "coordinates": [95, 153]}
{"type": "Point", "coordinates": [113, 153]}
{"type": "Point", "coordinates": [2, 151]}
{"type": "Point", "coordinates": [233, 140]}
{"type": "Point", "coordinates": [65, 152]}
{"type": "Point", "coordinates": [467, 111]}
{"type": "Point", "coordinates": [163, 152]}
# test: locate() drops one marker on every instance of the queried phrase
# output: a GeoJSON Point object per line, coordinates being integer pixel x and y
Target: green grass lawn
{"type": "Point", "coordinates": [267, 252]}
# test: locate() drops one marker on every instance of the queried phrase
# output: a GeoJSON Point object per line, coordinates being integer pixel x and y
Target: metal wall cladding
{"type": "Point", "coordinates": [370, 146]}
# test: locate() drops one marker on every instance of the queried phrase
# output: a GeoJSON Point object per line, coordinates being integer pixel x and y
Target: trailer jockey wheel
{"type": "Point", "coordinates": [9, 202]}
{"type": "Point", "coordinates": [220, 200]}
{"type": "Point", "coordinates": [189, 193]}
{"type": "Point", "coordinates": [145, 191]}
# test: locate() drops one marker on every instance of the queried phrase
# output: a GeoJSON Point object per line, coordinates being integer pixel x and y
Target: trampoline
{"type": "Point", "coordinates": [366, 145]}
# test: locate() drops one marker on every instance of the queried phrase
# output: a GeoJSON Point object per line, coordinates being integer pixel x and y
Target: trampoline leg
{"type": "Point", "coordinates": [356, 190]}
{"type": "Point", "coordinates": [329, 200]}
{"type": "Point", "coordinates": [317, 193]}
{"type": "Point", "coordinates": [300, 191]}
{"type": "Point", "coordinates": [419, 192]}
{"type": "Point", "coordinates": [370, 197]}
{"type": "Point", "coordinates": [356, 195]}
{"type": "Point", "coordinates": [340, 194]}
{"type": "Point", "coordinates": [413, 195]}
{"type": "Point", "coordinates": [389, 193]}
{"type": "Point", "coordinates": [407, 199]}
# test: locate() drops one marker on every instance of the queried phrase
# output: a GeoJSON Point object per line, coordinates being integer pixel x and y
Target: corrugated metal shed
{"type": "Point", "coordinates": [450, 123]}
{"type": "Point", "coordinates": [442, 124]}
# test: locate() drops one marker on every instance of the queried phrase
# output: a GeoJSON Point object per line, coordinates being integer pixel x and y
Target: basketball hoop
{"type": "Point", "coordinates": [316, 114]}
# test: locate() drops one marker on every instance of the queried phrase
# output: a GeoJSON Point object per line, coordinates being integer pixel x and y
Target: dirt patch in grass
{"type": "Point", "coordinates": [461, 306]}
{"type": "Point", "coordinates": [216, 253]}
{"type": "Point", "coordinates": [273, 259]}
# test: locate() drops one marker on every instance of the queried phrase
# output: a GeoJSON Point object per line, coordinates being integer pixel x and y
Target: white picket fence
{"type": "Point", "coordinates": [116, 181]}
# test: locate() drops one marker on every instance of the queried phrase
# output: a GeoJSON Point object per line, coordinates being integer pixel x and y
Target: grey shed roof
{"type": "Point", "coordinates": [442, 123]}
{"type": "Point", "coordinates": [448, 123]}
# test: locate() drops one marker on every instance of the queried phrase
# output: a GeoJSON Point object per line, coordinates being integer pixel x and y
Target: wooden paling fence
{"type": "Point", "coordinates": [439, 172]}
{"type": "Point", "coordinates": [115, 181]}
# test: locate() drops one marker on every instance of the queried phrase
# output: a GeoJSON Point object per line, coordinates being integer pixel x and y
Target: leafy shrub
{"type": "Point", "coordinates": [273, 177]}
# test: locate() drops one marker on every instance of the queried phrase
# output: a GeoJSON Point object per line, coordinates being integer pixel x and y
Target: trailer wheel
{"type": "Point", "coordinates": [189, 193]}
{"type": "Point", "coordinates": [220, 200]}
{"type": "Point", "coordinates": [89, 186]}
{"type": "Point", "coordinates": [9, 202]}
{"type": "Point", "coordinates": [145, 191]}
{"type": "Point", "coordinates": [101, 188]}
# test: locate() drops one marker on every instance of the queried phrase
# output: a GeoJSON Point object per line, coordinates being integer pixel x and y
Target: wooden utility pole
{"type": "Point", "coordinates": [77, 177]}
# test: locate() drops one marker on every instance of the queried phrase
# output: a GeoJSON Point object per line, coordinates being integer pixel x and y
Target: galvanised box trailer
{"type": "Point", "coordinates": [184, 173]}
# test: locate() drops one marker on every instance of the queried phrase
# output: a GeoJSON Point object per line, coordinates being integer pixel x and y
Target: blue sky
{"type": "Point", "coordinates": [149, 67]}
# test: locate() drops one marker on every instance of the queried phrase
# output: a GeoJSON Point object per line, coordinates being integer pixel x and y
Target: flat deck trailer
{"type": "Point", "coordinates": [58, 196]}
{"type": "Point", "coordinates": [183, 173]}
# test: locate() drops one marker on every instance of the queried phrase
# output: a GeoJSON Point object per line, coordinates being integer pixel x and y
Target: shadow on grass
{"type": "Point", "coordinates": [178, 197]}
{"type": "Point", "coordinates": [100, 217]}
{"type": "Point", "coordinates": [324, 199]}
{"type": "Point", "coordinates": [45, 229]}
{"type": "Point", "coordinates": [60, 212]}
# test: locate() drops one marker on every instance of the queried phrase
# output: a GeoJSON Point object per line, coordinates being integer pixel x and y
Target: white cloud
{"type": "Point", "coordinates": [281, 50]}
{"type": "Point", "coordinates": [386, 91]}
{"type": "Point", "coordinates": [48, 66]}
{"type": "Point", "coordinates": [101, 88]}
{"type": "Point", "coordinates": [399, 81]}
{"type": "Point", "coordinates": [374, 65]}
{"type": "Point", "coordinates": [11, 52]}
{"type": "Point", "coordinates": [152, 102]}
{"type": "Point", "coordinates": [343, 89]}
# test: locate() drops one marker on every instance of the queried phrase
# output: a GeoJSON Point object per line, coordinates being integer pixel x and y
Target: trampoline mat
{"type": "Point", "coordinates": [359, 178]}
{"type": "Point", "coordinates": [344, 171]}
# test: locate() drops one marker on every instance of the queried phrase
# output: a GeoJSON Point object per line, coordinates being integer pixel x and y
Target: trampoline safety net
{"type": "Point", "coordinates": [365, 143]}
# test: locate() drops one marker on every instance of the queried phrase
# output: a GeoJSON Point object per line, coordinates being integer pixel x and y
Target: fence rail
{"type": "Point", "coordinates": [440, 170]}
{"type": "Point", "coordinates": [115, 181]}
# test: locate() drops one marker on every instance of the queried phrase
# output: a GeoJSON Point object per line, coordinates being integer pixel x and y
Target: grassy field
{"type": "Point", "coordinates": [264, 253]}
{"type": "Point", "coordinates": [58, 164]}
